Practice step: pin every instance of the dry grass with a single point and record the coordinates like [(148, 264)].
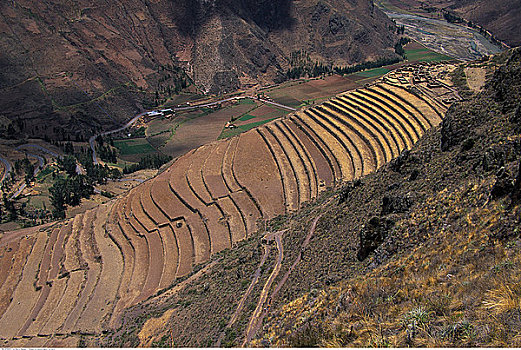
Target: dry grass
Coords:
[(459, 288), (506, 298)]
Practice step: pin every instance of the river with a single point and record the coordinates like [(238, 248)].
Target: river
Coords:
[(454, 40)]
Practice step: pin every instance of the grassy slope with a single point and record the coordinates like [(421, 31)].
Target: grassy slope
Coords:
[(447, 273)]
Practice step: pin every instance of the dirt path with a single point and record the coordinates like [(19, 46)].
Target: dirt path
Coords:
[(256, 318), (239, 308), (260, 312)]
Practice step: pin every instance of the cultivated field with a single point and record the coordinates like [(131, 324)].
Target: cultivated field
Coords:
[(77, 276)]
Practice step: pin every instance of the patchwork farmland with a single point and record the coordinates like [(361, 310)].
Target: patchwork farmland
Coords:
[(78, 276)]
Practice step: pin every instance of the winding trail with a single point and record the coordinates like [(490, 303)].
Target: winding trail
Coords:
[(240, 306), (41, 162), (256, 318), (8, 167), (260, 312)]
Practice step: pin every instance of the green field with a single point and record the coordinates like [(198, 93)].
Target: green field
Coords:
[(133, 147), (375, 72), (246, 117), (246, 101), (226, 133), (425, 55)]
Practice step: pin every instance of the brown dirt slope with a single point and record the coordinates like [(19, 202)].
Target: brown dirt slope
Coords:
[(83, 65)]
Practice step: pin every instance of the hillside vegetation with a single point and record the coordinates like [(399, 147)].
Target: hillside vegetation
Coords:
[(437, 231)]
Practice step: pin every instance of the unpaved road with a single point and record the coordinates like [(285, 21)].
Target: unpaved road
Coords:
[(8, 167), (256, 318)]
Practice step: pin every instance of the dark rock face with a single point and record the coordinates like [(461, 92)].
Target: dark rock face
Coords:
[(516, 192), (396, 204), (516, 119), (451, 133), (372, 235), (397, 163), (507, 83)]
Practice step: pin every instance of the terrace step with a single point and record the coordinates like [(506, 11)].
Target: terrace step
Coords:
[(305, 158), (171, 260), (324, 169), (296, 161), (285, 170), (175, 208), (262, 179), (56, 293), (73, 260), (412, 102), (194, 173), (404, 138), (156, 264), (74, 285), (367, 147), (212, 171), (41, 280), (7, 256), (403, 121), (384, 124), (348, 146), (210, 214), (389, 101), (138, 212), (128, 260), (248, 209), (103, 298), (332, 148), (412, 121), (370, 129), (234, 218), (136, 228), (186, 247), (58, 251), (25, 294), (150, 208), (227, 165), (140, 247), (89, 252)]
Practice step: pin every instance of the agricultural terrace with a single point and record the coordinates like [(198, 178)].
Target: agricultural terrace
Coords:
[(306, 92), (77, 276)]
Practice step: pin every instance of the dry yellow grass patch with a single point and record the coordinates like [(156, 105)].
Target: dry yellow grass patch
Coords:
[(148, 333)]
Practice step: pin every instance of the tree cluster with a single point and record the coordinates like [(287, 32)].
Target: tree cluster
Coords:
[(69, 191), (319, 69), (154, 161), (24, 165)]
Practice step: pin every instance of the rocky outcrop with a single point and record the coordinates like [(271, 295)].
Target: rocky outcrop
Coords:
[(372, 235)]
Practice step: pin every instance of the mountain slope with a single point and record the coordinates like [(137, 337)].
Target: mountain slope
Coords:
[(86, 64), (438, 232), (501, 18)]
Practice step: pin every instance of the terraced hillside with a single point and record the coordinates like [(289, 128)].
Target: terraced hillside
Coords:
[(78, 276)]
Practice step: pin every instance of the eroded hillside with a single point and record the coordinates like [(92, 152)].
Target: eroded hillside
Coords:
[(84, 65), (438, 232)]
